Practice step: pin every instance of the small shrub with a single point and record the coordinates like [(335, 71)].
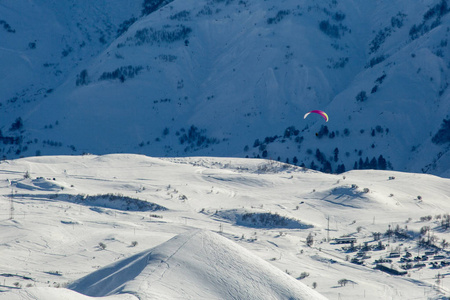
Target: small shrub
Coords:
[(303, 275), (17, 125), (82, 78), (361, 96), (165, 35), (329, 29), (443, 135), (280, 15), (379, 39), (380, 79), (183, 15), (149, 6), (7, 27), (376, 60), (125, 25), (343, 282), (121, 73), (309, 240)]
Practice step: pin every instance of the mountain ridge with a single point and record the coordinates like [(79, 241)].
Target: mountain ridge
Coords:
[(234, 78)]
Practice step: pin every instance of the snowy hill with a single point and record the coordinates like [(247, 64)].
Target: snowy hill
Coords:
[(217, 227), (229, 78), (195, 265)]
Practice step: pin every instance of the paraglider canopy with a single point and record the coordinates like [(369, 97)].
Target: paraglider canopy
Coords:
[(322, 113)]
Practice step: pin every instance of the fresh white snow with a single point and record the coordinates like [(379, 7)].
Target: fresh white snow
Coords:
[(56, 240)]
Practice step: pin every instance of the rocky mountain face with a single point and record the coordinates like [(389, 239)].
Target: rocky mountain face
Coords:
[(229, 78)]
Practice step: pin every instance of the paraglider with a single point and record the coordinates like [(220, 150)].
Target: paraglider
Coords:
[(322, 113)]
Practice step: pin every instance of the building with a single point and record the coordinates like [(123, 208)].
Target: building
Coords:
[(347, 240)]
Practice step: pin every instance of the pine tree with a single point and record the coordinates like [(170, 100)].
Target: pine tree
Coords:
[(366, 163), (360, 164), (336, 154), (373, 163), (340, 169), (382, 165), (327, 167), (320, 157)]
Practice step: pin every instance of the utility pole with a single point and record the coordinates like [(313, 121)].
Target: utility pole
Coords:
[(11, 211), (328, 229)]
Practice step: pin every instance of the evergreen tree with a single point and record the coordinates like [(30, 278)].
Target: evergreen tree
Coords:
[(361, 97), (327, 167), (373, 163), (336, 154), (323, 131), (340, 169), (382, 165), (366, 163), (320, 157), (17, 125), (360, 164)]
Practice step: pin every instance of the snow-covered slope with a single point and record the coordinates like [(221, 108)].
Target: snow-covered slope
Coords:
[(229, 78), (195, 265), (112, 217), (57, 294)]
